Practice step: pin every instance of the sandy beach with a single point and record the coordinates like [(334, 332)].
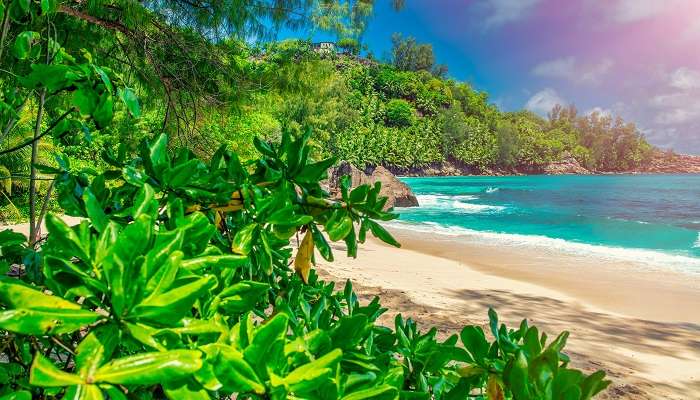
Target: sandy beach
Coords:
[(641, 326)]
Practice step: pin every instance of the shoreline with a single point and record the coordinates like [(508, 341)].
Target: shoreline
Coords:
[(603, 173), (642, 328), (616, 285)]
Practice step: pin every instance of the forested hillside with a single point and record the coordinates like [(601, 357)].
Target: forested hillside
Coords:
[(405, 114)]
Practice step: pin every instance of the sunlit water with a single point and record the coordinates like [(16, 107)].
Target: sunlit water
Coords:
[(652, 219)]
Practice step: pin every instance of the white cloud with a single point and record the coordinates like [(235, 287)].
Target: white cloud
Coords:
[(676, 116), (685, 78), (676, 108), (692, 32), (503, 11), (557, 68), (568, 68), (543, 101), (636, 10), (603, 112)]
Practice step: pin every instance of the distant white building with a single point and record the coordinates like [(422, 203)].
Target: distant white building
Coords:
[(325, 47)]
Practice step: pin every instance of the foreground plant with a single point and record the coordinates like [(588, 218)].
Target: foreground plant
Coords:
[(177, 284)]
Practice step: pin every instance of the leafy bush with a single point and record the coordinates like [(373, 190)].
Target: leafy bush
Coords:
[(479, 146), (400, 113), (176, 285)]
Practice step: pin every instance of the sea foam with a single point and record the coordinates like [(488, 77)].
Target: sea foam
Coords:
[(649, 259), (456, 203)]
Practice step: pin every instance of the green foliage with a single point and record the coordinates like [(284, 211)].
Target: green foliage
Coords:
[(407, 55), (349, 45), (478, 146), (399, 113), (176, 285)]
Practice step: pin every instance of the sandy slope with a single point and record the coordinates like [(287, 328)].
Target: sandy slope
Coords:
[(615, 314)]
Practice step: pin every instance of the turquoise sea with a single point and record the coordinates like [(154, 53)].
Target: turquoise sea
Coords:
[(650, 219)]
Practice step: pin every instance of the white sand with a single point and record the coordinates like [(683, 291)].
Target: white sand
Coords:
[(615, 315)]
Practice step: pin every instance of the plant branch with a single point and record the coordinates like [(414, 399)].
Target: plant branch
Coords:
[(44, 208), (35, 156), (37, 138)]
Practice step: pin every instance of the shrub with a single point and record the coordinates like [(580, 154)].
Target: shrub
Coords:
[(400, 113), (176, 285), (479, 147)]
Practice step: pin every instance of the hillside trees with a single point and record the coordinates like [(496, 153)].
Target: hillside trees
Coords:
[(400, 113), (409, 55)]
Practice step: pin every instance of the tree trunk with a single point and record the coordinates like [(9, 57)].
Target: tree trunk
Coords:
[(33, 226)]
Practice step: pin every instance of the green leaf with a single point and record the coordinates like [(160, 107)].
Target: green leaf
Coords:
[(145, 203), (20, 394), (129, 98), (44, 373), (359, 194), (232, 370), (186, 389), (18, 295), (493, 322), (150, 368), (52, 77), (94, 350), (594, 384), (23, 44), (243, 240), (349, 331), (382, 234), (169, 307), (383, 392), (518, 377), (262, 350), (475, 342), (165, 274), (315, 172), (223, 261), (94, 211), (144, 334), (242, 296), (65, 238), (119, 266), (83, 392), (339, 226), (322, 244), (181, 174), (156, 157), (48, 6), (46, 321), (309, 377), (263, 147), (24, 5), (85, 100), (104, 112)]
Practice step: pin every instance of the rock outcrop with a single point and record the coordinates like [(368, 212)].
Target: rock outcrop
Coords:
[(664, 163), (566, 165), (397, 192)]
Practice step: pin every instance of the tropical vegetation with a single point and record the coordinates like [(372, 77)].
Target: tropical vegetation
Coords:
[(191, 272)]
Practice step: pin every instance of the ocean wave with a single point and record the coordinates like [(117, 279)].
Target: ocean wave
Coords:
[(491, 189), (644, 257), (455, 203), (438, 198)]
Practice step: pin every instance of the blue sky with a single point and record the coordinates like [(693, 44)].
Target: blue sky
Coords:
[(635, 58)]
